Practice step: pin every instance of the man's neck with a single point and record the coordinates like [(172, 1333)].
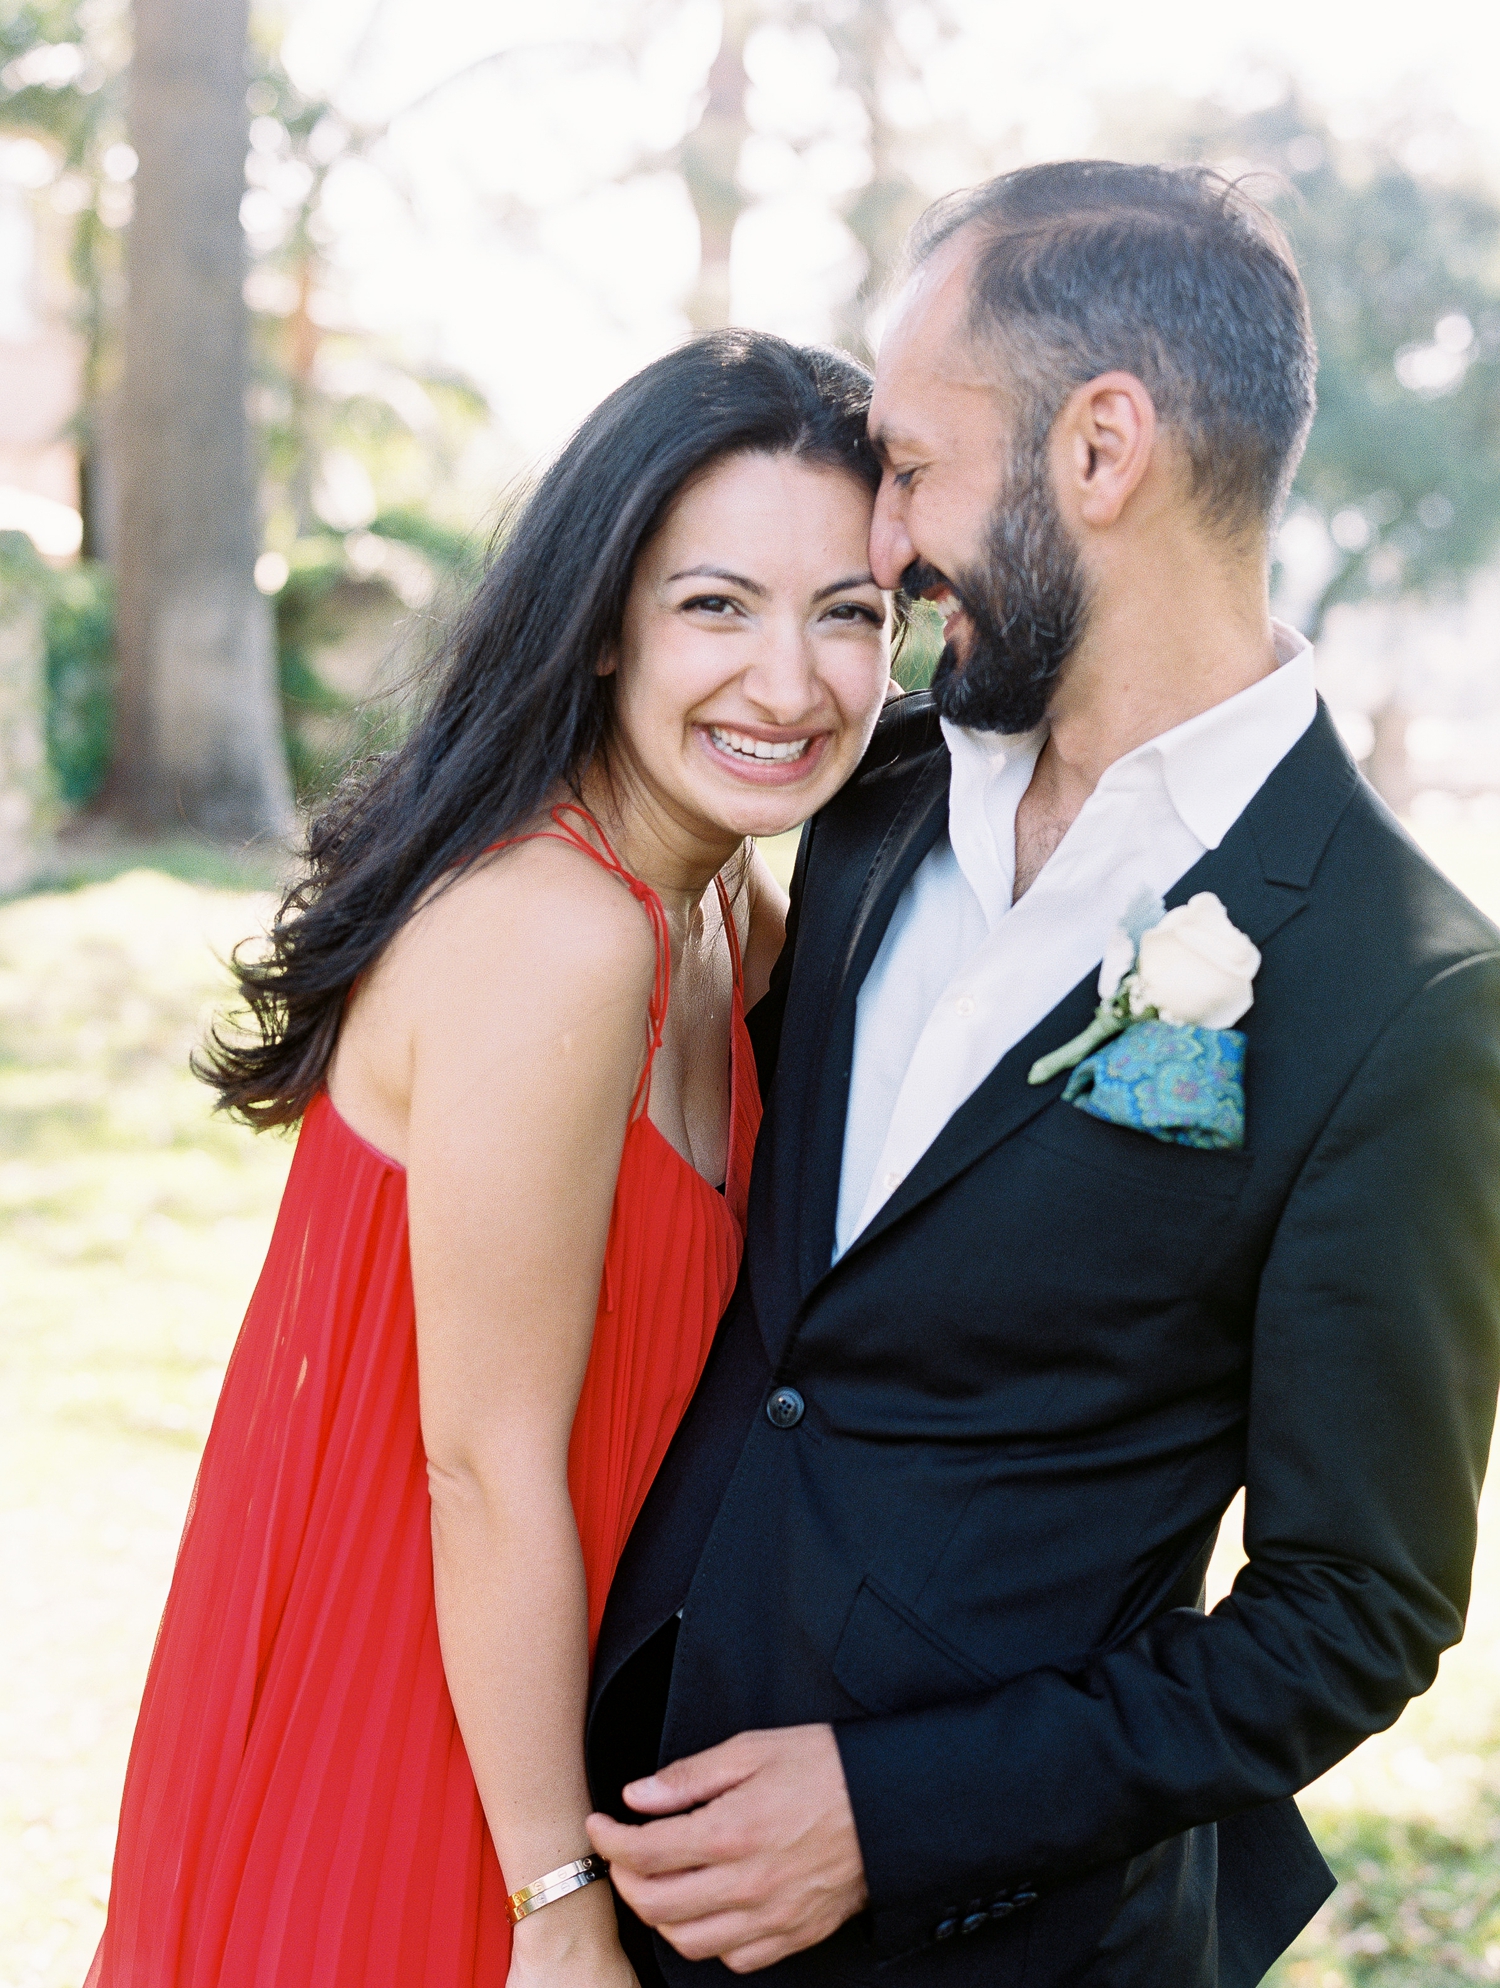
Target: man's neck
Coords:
[(1148, 662)]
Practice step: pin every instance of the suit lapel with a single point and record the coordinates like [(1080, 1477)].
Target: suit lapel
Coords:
[(913, 830), (1262, 871)]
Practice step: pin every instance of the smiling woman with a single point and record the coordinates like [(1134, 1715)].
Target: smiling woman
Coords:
[(508, 1002), (770, 660), (526, 693)]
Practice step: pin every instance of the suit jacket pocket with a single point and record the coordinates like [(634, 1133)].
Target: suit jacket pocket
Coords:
[(1135, 1160), (889, 1660)]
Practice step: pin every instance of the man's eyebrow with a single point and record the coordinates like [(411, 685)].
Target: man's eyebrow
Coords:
[(842, 586), (718, 573), (887, 442)]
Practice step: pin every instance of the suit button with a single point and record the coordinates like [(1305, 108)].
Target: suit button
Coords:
[(974, 1921), (1001, 1909), (786, 1408), (945, 1929)]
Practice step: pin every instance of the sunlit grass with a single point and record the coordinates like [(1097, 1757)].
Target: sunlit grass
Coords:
[(133, 1227)]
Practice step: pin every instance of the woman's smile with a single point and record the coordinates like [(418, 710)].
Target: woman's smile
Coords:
[(761, 755)]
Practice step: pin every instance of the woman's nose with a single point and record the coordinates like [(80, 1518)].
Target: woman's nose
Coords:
[(891, 549), (782, 680)]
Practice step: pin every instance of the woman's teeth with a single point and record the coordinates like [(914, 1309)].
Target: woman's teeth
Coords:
[(748, 748)]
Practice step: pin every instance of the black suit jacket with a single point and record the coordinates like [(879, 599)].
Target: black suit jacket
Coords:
[(1035, 1381)]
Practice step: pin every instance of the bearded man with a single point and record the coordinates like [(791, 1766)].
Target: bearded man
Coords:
[(1048, 1259)]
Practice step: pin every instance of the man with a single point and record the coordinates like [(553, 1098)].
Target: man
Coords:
[(942, 1706)]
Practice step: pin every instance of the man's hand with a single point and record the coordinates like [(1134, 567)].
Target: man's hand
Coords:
[(767, 1862)]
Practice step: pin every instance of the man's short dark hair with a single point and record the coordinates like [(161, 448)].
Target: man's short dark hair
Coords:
[(1172, 273)]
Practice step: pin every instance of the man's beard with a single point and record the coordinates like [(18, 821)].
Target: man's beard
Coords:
[(1027, 606)]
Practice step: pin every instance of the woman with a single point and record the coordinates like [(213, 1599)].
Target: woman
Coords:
[(506, 1003)]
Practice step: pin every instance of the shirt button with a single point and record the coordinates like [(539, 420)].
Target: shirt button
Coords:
[(892, 1181), (964, 1005), (785, 1409)]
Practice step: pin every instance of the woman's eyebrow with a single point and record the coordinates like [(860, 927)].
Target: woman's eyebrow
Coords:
[(841, 586), (718, 573)]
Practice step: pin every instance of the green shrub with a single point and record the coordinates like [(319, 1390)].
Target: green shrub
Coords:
[(79, 629)]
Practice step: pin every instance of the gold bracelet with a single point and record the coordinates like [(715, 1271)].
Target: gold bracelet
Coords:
[(555, 1885)]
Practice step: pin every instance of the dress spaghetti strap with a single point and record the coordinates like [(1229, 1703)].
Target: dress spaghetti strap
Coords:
[(564, 830), (661, 982), (731, 932)]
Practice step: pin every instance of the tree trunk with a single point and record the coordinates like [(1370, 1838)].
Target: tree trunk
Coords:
[(199, 729), (710, 165)]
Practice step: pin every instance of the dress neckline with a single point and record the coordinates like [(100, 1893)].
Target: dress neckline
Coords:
[(646, 896), (719, 1192)]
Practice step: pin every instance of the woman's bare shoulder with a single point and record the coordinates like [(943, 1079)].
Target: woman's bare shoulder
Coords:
[(539, 912)]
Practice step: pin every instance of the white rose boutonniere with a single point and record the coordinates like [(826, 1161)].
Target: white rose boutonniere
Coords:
[(1189, 968), (1194, 969)]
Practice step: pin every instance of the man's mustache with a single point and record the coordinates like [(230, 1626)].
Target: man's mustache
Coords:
[(920, 578)]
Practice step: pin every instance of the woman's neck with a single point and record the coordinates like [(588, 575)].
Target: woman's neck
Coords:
[(678, 859)]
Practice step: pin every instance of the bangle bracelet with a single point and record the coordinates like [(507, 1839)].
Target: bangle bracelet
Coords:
[(556, 1884)]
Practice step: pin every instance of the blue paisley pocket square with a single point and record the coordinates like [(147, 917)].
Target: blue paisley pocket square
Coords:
[(1185, 1086)]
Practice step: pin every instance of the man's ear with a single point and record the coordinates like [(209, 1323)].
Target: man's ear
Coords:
[(1103, 443)]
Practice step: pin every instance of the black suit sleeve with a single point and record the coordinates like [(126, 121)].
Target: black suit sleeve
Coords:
[(765, 1018), (1376, 1338)]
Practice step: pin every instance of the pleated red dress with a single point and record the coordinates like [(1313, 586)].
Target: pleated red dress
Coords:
[(299, 1810)]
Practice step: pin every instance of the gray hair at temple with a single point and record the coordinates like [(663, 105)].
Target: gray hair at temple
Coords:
[(1171, 273)]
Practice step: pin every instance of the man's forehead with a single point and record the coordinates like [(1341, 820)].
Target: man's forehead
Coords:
[(927, 350), (933, 301)]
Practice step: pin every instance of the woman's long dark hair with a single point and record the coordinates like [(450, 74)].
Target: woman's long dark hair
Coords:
[(518, 708)]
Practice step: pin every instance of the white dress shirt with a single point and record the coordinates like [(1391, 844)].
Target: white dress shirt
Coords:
[(962, 974)]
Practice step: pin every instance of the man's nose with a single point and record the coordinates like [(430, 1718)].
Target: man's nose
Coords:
[(891, 549)]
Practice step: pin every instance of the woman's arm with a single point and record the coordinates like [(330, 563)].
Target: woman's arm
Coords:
[(527, 986)]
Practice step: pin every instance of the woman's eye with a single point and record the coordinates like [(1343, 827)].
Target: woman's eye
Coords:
[(902, 478), (717, 604), (847, 611)]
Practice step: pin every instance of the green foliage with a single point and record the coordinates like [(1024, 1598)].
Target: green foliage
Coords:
[(62, 82), (1403, 275), (326, 728), (323, 392), (918, 645), (457, 556), (77, 608), (304, 622), (80, 634), (1416, 1907), (318, 395)]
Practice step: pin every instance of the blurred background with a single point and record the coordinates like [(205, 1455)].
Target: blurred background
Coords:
[(287, 302)]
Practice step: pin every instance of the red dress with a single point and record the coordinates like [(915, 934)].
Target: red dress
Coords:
[(299, 1811)]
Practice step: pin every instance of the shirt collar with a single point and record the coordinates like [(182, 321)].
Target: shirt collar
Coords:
[(1212, 766), (989, 772)]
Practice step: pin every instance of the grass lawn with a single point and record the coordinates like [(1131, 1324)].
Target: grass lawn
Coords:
[(133, 1227)]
